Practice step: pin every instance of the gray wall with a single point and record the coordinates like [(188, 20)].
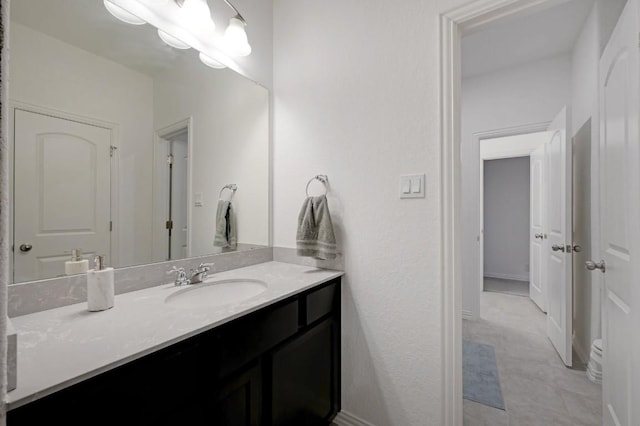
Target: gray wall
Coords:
[(506, 218)]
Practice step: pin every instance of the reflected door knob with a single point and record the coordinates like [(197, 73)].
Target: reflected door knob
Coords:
[(25, 247), (556, 247), (538, 236), (592, 266)]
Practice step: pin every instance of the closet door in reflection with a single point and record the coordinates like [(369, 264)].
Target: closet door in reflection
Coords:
[(62, 193)]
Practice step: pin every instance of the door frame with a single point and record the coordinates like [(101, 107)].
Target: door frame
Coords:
[(115, 132), (160, 208), (452, 24)]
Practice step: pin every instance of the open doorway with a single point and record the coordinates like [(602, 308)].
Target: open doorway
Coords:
[(523, 243), (604, 67), (171, 192), (177, 186), (506, 211), (510, 214)]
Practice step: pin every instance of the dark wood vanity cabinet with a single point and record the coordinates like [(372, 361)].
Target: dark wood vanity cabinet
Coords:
[(279, 366)]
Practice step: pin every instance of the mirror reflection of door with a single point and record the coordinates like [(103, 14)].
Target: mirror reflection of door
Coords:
[(178, 161), (62, 193)]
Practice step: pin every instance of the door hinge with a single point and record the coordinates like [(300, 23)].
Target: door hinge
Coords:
[(169, 224), (110, 226), (112, 149), (170, 159)]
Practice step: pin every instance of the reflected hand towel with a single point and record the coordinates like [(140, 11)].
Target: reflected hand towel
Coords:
[(226, 232), (315, 237)]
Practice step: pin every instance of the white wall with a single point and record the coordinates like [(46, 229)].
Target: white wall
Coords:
[(506, 218), (356, 90), (49, 73), (518, 96), (608, 13), (230, 145), (584, 79)]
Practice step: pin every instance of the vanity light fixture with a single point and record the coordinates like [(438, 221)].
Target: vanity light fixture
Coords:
[(193, 16), (122, 14), (172, 41), (235, 37), (196, 14), (210, 62)]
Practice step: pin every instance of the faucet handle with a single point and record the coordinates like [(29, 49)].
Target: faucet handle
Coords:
[(181, 275), (175, 270), (206, 265)]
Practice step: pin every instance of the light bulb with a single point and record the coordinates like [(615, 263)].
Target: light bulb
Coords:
[(235, 38), (196, 13), (172, 41), (122, 14), (210, 62)]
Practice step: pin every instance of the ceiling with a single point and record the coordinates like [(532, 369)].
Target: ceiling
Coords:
[(88, 25), (524, 38)]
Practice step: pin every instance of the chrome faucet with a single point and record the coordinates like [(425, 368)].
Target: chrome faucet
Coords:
[(200, 273), (181, 276)]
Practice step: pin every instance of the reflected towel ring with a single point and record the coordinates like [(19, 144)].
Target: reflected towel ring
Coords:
[(231, 187), (321, 178)]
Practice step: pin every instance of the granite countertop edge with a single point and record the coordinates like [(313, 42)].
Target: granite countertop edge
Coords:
[(74, 345)]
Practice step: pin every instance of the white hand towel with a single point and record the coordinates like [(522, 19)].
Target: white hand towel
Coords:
[(315, 236)]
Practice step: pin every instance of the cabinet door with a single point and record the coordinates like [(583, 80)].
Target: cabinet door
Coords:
[(305, 377), (237, 401)]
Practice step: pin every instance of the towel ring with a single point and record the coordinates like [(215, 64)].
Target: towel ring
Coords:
[(231, 187), (321, 178)]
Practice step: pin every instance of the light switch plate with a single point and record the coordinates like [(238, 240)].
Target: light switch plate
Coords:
[(414, 184)]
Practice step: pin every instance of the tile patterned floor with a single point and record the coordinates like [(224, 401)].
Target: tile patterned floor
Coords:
[(538, 389)]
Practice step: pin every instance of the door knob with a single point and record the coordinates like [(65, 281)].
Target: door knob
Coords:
[(539, 236), (25, 247), (591, 265), (556, 247), (577, 248)]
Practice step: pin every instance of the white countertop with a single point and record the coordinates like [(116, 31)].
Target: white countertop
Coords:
[(63, 346)]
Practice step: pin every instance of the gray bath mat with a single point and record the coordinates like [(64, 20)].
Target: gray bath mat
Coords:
[(480, 381)]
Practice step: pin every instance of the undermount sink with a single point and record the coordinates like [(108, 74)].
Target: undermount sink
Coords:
[(213, 293)]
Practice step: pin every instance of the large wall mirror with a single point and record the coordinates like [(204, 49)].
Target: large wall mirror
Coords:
[(124, 146)]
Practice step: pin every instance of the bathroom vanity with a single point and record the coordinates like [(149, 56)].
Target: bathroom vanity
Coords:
[(272, 359)]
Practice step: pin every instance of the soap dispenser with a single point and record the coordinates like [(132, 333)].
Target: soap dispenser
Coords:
[(77, 265), (100, 286)]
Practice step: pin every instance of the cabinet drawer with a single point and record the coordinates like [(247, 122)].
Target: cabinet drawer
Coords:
[(321, 302), (247, 338)]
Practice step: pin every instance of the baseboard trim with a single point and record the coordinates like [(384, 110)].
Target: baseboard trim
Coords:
[(468, 315), (506, 276), (344, 418)]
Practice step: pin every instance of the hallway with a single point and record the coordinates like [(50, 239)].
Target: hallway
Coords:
[(538, 389)]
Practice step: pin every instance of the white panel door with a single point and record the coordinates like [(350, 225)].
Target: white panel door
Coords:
[(559, 266), (538, 247), (62, 193), (620, 221)]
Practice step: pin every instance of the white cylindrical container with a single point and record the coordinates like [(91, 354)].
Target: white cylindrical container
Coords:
[(100, 286), (77, 265)]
